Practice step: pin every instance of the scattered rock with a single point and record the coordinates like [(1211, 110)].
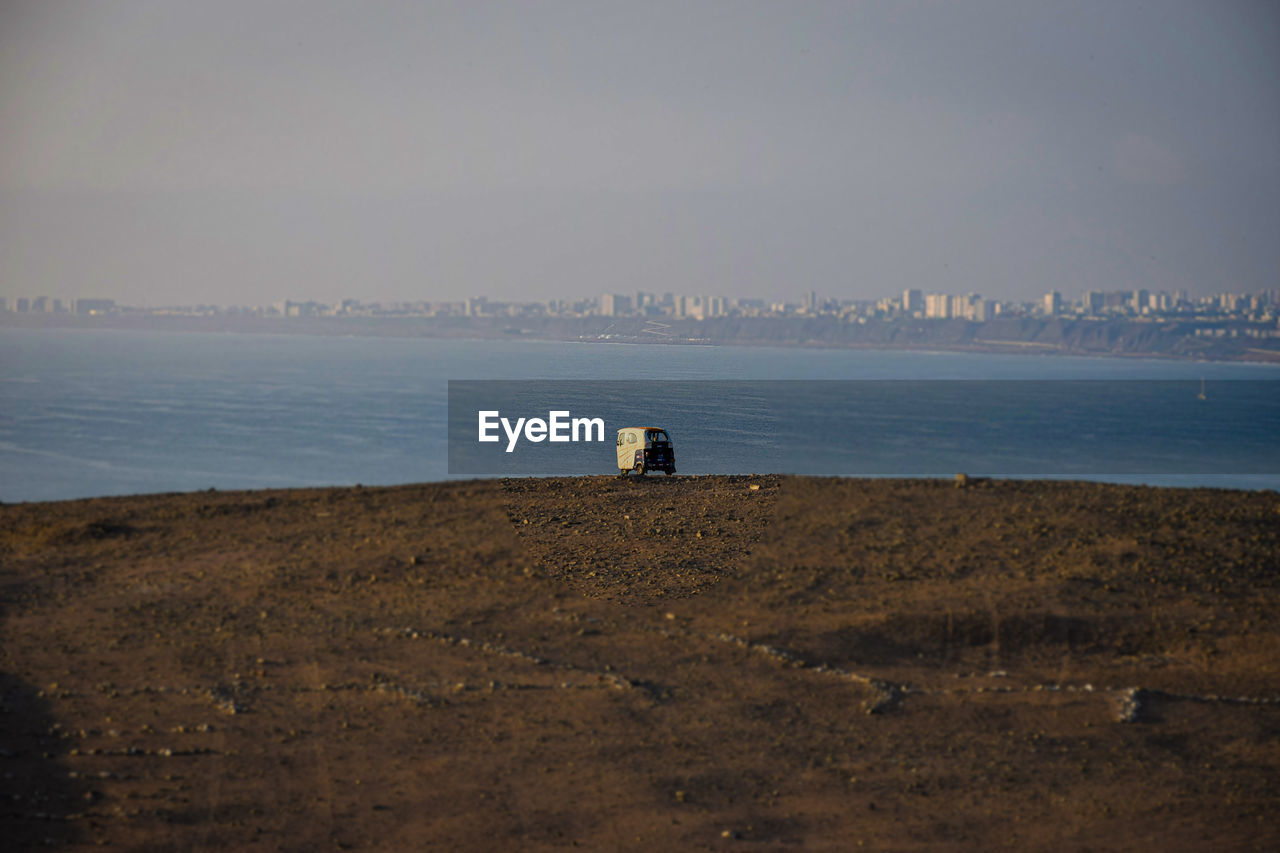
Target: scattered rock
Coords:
[(1130, 710)]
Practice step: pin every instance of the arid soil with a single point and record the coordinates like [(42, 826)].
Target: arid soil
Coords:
[(687, 663)]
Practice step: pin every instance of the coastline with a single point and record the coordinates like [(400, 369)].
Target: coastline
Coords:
[(1122, 340)]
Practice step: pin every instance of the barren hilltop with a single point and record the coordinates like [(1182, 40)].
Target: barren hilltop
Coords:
[(692, 663)]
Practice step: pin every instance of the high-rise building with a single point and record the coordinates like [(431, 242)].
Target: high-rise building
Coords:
[(912, 301), (937, 305), (614, 304), (693, 307), (1053, 303)]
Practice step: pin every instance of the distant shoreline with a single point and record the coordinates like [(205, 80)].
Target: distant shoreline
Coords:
[(1118, 338)]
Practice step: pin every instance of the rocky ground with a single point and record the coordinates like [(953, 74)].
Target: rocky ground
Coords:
[(689, 663)]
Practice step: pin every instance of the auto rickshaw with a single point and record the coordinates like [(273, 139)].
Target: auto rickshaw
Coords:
[(643, 449)]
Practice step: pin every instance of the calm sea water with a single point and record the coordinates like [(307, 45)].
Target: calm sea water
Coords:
[(86, 413)]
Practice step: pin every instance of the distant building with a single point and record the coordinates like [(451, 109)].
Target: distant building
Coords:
[(695, 307), (937, 306), (1117, 301), (94, 306), (971, 306), (614, 305), (982, 310), (1053, 303), (912, 301), (23, 305), (1094, 302)]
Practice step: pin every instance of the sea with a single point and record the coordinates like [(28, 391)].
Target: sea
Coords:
[(86, 413)]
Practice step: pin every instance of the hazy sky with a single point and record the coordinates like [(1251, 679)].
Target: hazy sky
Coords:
[(244, 152)]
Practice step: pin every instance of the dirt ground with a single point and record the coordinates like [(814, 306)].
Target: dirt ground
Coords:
[(688, 663)]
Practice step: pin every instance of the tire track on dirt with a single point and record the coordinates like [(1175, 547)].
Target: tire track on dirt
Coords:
[(324, 773)]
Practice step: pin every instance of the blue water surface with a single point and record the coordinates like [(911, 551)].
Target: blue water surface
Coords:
[(87, 413)]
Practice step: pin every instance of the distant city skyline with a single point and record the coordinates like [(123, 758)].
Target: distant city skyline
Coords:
[(242, 153), (1261, 307)]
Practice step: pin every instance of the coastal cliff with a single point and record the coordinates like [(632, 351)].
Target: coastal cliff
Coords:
[(1204, 340)]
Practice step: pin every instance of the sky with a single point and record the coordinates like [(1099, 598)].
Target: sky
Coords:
[(166, 152)]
